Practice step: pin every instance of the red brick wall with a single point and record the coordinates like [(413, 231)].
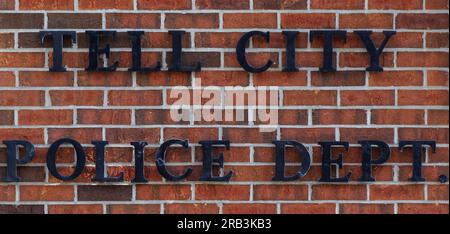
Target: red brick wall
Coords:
[(408, 101)]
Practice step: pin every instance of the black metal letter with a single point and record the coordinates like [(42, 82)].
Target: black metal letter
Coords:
[(100, 175), (161, 165), (372, 49), (51, 159), (208, 161), (280, 160), (136, 54), (139, 176), (327, 161), (177, 62), (58, 40), (367, 161), (417, 156), (328, 36), (291, 37), (13, 158), (241, 56), (94, 51)]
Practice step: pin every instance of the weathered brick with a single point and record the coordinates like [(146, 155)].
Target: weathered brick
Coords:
[(45, 5)]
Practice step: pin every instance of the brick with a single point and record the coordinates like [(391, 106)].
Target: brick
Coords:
[(157, 116), (439, 135), (21, 209), (363, 21), (367, 98), (34, 135), (22, 60), (422, 59), (163, 79), (6, 40), (430, 173), (396, 192), (217, 39), (280, 4), (191, 134), (396, 5), (131, 20), (164, 5), (6, 117), (77, 59), (76, 97), (293, 117), (400, 117), (135, 98), (421, 21), (103, 79), (223, 4), (46, 193), (330, 117), (308, 135), (249, 208), (248, 135), (366, 208), (409, 208), (75, 20), (106, 117), (338, 79), (280, 192), (440, 156), (438, 117), (7, 5), (45, 79), (104, 193), (108, 4), (283, 79), (7, 79), (310, 98), (437, 40), (45, 117), (163, 192), (133, 209), (7, 193), (223, 78), (179, 21), (396, 78), (195, 208), (222, 192), (246, 20), (423, 97), (436, 4), (337, 5), (307, 20), (339, 192), (46, 5), (438, 192), (354, 135), (127, 135), (437, 78), (76, 209), (309, 208), (82, 135), (22, 20), (351, 59), (22, 98)]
